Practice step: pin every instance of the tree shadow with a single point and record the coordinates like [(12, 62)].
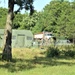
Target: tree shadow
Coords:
[(16, 64), (53, 61), (19, 64)]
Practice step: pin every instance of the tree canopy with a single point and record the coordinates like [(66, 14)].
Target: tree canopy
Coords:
[(57, 17)]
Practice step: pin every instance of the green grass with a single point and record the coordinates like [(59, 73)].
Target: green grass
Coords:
[(33, 62)]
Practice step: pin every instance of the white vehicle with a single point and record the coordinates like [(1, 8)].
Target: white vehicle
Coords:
[(48, 35), (43, 35)]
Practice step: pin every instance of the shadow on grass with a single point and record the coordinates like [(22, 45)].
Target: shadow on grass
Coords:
[(19, 64), (0, 56), (53, 61)]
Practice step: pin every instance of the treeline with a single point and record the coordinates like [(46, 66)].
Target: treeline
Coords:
[(57, 17), (3, 15)]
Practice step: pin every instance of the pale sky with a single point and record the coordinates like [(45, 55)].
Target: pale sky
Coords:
[(38, 4)]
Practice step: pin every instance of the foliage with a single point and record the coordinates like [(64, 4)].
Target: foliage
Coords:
[(3, 14), (24, 63), (16, 22), (57, 17), (24, 4), (28, 22), (52, 52), (69, 53)]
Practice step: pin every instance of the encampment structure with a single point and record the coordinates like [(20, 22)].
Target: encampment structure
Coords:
[(20, 38)]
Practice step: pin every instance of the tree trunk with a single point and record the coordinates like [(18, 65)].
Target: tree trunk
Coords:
[(7, 49)]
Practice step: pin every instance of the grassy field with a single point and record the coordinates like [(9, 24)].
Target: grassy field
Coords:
[(33, 62)]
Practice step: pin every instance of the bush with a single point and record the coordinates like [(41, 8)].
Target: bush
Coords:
[(52, 52), (69, 53)]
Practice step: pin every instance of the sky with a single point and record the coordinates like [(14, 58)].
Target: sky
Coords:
[(38, 4)]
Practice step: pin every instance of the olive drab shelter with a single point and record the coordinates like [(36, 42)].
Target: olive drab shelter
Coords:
[(20, 38), (1, 37)]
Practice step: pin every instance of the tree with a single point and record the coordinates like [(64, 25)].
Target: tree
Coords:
[(29, 22), (16, 22), (59, 18), (3, 13), (26, 4)]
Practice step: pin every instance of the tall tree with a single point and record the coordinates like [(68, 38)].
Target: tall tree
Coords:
[(59, 18), (26, 4)]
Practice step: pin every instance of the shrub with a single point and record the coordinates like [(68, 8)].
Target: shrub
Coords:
[(69, 53), (52, 52)]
